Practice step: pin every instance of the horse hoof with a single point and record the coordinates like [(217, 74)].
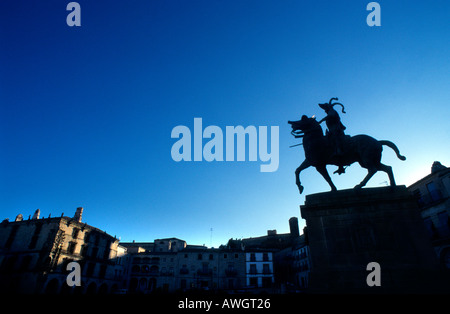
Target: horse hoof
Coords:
[(300, 189), (357, 187)]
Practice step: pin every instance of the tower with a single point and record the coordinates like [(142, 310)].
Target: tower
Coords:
[(293, 227), (78, 214)]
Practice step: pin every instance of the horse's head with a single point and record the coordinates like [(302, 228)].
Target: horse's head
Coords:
[(304, 125)]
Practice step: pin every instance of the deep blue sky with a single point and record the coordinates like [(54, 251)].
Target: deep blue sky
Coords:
[(86, 112)]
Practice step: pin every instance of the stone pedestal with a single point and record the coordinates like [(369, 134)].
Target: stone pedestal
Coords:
[(348, 229)]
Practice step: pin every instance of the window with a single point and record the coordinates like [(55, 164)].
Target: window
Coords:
[(435, 194), (71, 247), (225, 255), (25, 263), (199, 257), (97, 239), (75, 233), (205, 268), (9, 263), (155, 260), (135, 269), (252, 257), (137, 260), (211, 257), (443, 218), (35, 236), (443, 224), (90, 269), (94, 252), (83, 250), (102, 271), (154, 270), (266, 269), (253, 269), (33, 242), (146, 260), (430, 227), (418, 195), (106, 252), (265, 257), (11, 237)]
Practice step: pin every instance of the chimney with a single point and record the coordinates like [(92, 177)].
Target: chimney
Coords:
[(272, 232), (36, 214), (78, 214), (293, 226)]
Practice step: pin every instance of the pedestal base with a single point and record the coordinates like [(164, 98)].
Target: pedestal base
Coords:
[(348, 229)]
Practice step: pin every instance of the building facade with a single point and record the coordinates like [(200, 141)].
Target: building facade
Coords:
[(301, 265), (35, 253), (259, 269), (169, 265), (433, 196), (36, 256)]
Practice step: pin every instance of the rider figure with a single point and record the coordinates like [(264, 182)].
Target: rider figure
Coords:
[(335, 130)]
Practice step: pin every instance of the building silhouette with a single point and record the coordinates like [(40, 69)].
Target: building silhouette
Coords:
[(34, 255), (170, 265), (433, 196)]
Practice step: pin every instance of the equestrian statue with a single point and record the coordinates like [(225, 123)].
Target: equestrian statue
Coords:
[(337, 148)]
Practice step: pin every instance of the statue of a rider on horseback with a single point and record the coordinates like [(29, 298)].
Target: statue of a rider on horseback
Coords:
[(336, 148)]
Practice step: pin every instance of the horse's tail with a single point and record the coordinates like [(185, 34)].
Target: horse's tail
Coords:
[(394, 148)]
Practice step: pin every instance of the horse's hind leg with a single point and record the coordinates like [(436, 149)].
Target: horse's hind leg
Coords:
[(388, 170), (371, 172), (323, 171)]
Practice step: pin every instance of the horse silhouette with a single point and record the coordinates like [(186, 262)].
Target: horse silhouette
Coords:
[(319, 152)]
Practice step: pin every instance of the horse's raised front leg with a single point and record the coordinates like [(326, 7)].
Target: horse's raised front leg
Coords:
[(323, 171), (305, 164)]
